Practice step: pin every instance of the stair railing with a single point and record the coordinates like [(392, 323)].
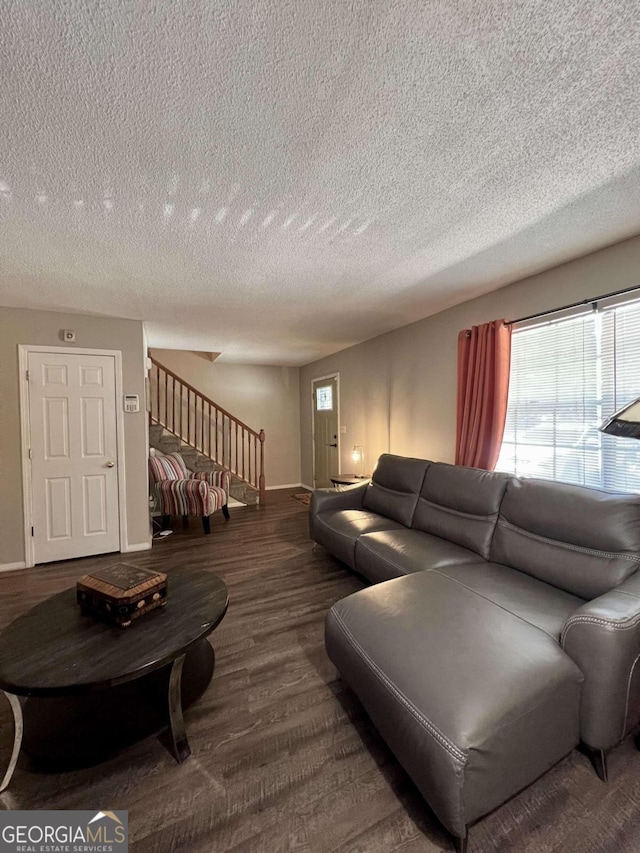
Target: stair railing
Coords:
[(204, 425)]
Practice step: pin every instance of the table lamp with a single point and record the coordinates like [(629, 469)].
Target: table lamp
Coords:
[(357, 457), (625, 422)]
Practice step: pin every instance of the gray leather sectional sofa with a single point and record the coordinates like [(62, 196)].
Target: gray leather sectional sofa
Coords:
[(502, 629)]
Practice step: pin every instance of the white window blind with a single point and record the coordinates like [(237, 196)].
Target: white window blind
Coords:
[(620, 336), (566, 377)]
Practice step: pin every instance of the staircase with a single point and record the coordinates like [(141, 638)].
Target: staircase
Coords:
[(183, 420)]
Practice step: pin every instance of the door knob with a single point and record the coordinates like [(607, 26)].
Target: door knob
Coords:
[(332, 445), (110, 464)]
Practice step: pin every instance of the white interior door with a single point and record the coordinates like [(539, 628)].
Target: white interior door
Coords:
[(74, 463), (325, 430)]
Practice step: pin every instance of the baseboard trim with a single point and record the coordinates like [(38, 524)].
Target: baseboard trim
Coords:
[(284, 486), (12, 567), (138, 546), (304, 486)]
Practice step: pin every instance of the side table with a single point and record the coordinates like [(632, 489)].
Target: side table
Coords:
[(339, 481)]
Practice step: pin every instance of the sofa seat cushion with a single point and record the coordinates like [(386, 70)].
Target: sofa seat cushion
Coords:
[(474, 701), (538, 603), (389, 554), (338, 530)]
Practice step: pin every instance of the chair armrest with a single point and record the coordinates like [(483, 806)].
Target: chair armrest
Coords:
[(220, 478), (603, 638), (329, 499), (184, 497)]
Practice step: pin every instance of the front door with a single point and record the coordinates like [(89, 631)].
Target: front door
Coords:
[(325, 430), (74, 463)]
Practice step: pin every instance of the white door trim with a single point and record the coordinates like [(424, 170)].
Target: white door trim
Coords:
[(335, 376), (25, 433)]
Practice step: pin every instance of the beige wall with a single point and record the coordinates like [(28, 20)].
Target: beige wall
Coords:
[(398, 391), (262, 397), (19, 326)]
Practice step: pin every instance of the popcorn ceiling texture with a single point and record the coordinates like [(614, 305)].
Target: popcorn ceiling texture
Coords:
[(276, 180)]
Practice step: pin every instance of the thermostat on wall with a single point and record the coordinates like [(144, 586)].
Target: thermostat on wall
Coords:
[(131, 403)]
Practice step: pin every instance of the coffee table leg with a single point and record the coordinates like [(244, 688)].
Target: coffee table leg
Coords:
[(17, 738), (179, 743)]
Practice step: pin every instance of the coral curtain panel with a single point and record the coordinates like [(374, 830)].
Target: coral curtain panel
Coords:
[(484, 358)]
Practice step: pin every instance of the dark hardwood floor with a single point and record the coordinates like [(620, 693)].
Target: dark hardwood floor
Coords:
[(283, 757)]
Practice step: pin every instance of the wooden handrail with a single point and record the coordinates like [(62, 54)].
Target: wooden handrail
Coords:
[(204, 396), (233, 442)]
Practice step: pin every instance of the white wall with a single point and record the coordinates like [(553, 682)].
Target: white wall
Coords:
[(398, 391), (261, 396), (22, 326)]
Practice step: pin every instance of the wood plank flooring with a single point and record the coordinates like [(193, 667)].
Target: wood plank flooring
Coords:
[(283, 756)]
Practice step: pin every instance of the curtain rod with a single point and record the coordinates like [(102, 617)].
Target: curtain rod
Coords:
[(592, 301)]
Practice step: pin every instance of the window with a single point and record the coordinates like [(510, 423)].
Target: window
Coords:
[(566, 377), (324, 398)]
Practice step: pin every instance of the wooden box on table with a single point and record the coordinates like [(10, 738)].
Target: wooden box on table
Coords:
[(121, 593)]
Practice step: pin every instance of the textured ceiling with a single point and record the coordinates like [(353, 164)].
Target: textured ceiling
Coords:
[(276, 180)]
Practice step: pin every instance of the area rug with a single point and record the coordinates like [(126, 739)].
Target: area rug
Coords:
[(303, 497)]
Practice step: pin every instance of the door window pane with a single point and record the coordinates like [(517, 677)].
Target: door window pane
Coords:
[(324, 398)]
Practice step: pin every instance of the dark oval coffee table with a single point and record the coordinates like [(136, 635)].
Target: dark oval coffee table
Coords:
[(94, 689)]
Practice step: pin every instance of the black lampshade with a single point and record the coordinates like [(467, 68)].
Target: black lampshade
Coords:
[(625, 422)]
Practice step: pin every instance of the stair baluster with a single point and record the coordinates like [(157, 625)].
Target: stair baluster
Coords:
[(232, 441)]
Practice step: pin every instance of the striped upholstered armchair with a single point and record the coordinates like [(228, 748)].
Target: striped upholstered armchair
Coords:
[(183, 492)]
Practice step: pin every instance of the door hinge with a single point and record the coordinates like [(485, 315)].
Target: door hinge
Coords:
[(30, 456), (32, 531), (26, 373)]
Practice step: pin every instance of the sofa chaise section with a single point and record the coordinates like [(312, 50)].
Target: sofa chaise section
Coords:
[(474, 701), (509, 631), (536, 602), (585, 542)]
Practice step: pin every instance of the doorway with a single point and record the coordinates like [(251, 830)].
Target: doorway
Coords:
[(326, 430), (72, 453)]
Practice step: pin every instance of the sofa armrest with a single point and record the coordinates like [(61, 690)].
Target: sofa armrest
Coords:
[(330, 499), (603, 638)]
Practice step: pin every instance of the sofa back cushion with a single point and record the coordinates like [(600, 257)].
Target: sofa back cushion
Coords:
[(395, 486), (585, 541), (461, 505)]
